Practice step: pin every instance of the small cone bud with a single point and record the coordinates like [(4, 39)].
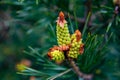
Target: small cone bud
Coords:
[(20, 67), (76, 48), (56, 55)]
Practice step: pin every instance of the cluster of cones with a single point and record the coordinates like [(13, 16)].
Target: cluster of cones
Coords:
[(69, 46)]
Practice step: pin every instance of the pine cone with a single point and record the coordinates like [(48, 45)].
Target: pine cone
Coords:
[(63, 36), (76, 47), (56, 55)]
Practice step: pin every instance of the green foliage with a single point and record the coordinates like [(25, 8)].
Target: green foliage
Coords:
[(94, 58), (26, 23), (46, 68)]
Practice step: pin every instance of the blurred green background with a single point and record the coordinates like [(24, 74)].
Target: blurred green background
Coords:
[(26, 23)]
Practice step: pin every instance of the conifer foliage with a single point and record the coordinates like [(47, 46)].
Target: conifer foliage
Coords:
[(72, 58)]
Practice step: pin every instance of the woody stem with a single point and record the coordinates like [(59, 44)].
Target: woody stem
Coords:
[(78, 72)]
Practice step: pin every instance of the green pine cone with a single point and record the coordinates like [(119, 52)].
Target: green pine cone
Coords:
[(63, 36), (57, 55), (75, 47)]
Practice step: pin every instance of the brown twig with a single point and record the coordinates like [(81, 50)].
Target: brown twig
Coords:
[(78, 72)]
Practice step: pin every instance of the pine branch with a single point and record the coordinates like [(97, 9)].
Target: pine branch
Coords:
[(78, 72)]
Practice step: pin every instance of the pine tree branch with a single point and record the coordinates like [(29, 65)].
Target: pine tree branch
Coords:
[(78, 72)]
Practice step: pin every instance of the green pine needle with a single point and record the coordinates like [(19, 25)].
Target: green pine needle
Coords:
[(58, 75), (86, 23)]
